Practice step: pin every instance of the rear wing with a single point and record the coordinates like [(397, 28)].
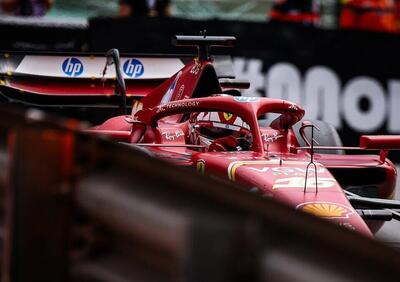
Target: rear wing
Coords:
[(77, 79), (71, 80), (80, 79), (89, 66), (380, 142)]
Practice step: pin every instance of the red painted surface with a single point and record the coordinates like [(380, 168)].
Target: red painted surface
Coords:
[(79, 87), (380, 142)]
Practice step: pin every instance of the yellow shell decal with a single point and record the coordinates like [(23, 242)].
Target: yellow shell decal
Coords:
[(228, 116), (325, 209), (201, 166)]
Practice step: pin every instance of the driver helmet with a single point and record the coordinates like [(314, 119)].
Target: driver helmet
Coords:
[(206, 127)]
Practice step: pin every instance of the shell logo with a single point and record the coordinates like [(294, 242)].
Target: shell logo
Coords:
[(325, 209)]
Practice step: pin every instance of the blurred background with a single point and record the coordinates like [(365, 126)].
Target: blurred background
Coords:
[(380, 14), (338, 58), (329, 12)]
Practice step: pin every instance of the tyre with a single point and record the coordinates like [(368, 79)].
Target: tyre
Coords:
[(325, 136)]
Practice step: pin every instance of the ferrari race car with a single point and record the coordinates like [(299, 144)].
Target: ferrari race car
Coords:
[(198, 120), (189, 120)]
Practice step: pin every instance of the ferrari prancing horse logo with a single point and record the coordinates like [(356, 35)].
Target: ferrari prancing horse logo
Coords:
[(200, 166), (228, 116)]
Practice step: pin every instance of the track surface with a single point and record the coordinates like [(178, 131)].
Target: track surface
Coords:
[(390, 232)]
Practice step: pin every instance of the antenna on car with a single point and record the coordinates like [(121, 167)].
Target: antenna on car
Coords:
[(112, 57), (203, 42), (311, 163)]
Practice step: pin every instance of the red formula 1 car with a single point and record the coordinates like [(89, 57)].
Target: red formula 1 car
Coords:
[(196, 120), (189, 120)]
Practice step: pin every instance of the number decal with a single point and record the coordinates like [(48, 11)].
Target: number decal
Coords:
[(298, 182)]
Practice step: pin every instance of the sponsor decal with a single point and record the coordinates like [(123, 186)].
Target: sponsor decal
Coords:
[(72, 67), (168, 95), (326, 209), (133, 68), (235, 165), (271, 138), (176, 105), (180, 92), (172, 136), (52, 66), (195, 69), (246, 99), (299, 182), (201, 166), (228, 116), (293, 107), (289, 171)]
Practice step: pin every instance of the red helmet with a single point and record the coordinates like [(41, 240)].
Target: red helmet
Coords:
[(209, 127)]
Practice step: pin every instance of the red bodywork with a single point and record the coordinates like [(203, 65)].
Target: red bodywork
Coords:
[(82, 87), (274, 167)]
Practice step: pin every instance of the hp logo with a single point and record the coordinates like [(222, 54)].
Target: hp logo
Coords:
[(72, 67), (133, 68)]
